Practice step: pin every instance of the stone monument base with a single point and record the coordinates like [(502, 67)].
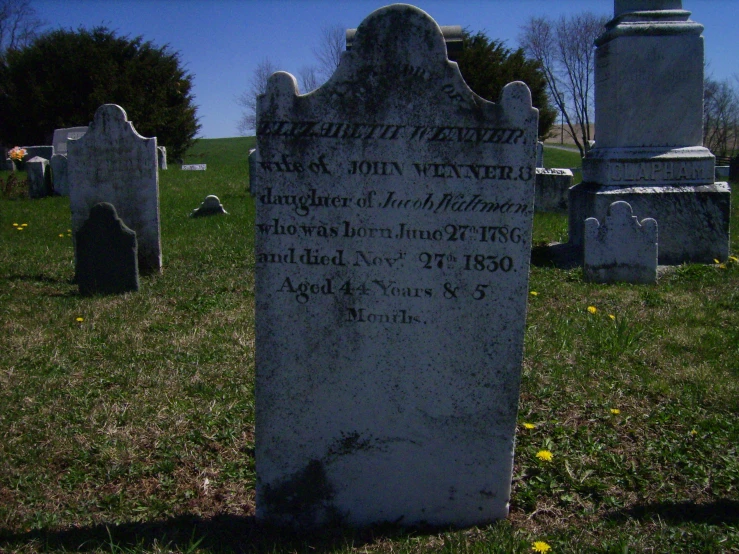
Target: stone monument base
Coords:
[(693, 220)]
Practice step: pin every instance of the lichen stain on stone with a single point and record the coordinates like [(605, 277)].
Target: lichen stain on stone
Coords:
[(305, 499)]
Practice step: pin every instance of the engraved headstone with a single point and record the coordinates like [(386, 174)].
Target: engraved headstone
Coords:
[(106, 253), (394, 211), (210, 206), (552, 189), (39, 178), (162, 157), (649, 134), (59, 176), (621, 249), (61, 136), (113, 163)]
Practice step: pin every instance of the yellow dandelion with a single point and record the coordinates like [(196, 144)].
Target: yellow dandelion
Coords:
[(19, 228), (540, 546), (694, 432), (529, 426), (545, 455), (734, 258), (24, 225), (722, 266), (592, 309), (615, 411), (69, 230), (716, 261), (613, 317), (61, 235), (534, 293), (80, 319), (15, 225)]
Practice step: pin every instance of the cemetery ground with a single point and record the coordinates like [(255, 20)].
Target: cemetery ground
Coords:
[(126, 422)]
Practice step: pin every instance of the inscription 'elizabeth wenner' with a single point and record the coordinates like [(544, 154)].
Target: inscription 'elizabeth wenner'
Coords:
[(393, 236)]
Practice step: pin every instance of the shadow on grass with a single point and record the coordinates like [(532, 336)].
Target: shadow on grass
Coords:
[(224, 533), (712, 513)]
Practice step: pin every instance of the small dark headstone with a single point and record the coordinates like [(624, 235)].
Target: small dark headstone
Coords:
[(106, 253)]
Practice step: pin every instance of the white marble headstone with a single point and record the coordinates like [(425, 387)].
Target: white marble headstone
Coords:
[(621, 248), (113, 163), (61, 136), (394, 214)]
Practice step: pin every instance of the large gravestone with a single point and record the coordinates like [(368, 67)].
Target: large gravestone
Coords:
[(61, 136), (649, 134), (394, 214), (106, 260), (113, 163)]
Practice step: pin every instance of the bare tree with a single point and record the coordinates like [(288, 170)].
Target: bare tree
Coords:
[(721, 116), (330, 47), (565, 49), (19, 24), (248, 98), (309, 79)]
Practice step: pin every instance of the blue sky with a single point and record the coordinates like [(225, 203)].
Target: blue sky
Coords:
[(221, 41)]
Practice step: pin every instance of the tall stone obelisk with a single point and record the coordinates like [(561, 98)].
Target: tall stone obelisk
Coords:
[(649, 134)]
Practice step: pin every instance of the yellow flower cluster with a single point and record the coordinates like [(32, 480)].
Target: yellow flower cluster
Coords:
[(17, 154), (20, 227), (545, 455)]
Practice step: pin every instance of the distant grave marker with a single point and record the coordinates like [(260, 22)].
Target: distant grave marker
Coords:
[(61, 136), (394, 214), (194, 167)]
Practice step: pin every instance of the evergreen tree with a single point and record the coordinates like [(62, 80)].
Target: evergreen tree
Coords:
[(487, 66), (62, 77)]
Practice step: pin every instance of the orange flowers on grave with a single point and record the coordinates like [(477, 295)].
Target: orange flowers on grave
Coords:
[(17, 154)]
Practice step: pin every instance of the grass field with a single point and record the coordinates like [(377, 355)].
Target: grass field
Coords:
[(126, 422)]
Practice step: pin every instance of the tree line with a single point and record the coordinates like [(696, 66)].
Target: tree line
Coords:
[(56, 79)]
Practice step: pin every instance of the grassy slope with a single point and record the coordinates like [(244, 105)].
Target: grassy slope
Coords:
[(132, 429)]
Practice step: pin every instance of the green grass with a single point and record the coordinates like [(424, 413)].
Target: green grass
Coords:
[(132, 430)]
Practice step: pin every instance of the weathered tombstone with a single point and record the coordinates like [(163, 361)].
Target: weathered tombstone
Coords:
[(621, 249), (59, 176), (162, 157), (106, 259), (552, 189), (734, 169), (722, 171), (394, 210), (39, 177), (113, 163), (61, 136), (45, 152), (539, 154), (210, 206), (194, 167), (649, 134)]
